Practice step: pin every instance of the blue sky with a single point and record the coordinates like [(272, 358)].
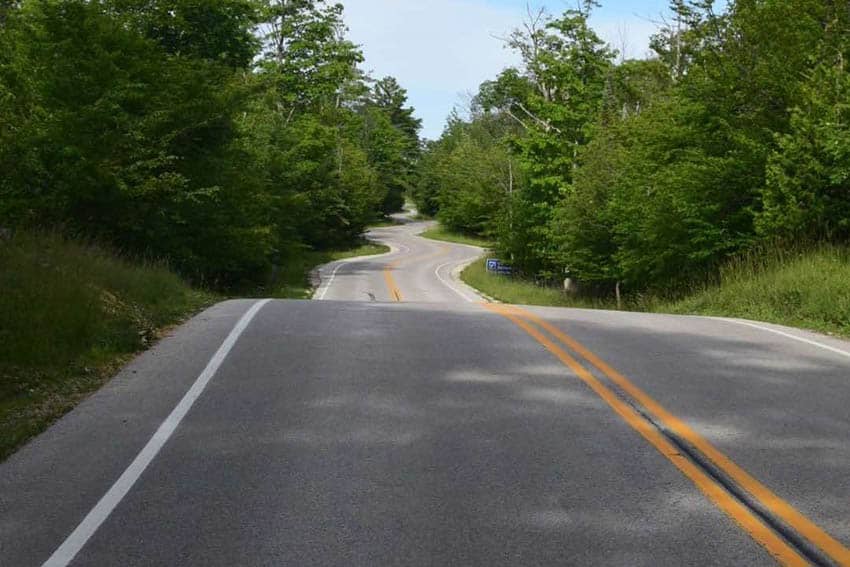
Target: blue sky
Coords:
[(441, 50)]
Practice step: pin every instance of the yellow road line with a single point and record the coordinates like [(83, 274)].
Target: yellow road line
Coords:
[(395, 293), (390, 280), (753, 525), (782, 509)]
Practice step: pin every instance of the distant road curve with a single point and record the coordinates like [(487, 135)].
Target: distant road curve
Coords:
[(416, 270)]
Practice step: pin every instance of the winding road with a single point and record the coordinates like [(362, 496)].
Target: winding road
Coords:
[(400, 419), (415, 270)]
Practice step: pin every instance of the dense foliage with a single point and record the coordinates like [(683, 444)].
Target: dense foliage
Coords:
[(652, 173), (224, 136)]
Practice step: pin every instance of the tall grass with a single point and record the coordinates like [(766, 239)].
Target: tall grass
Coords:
[(522, 292), (69, 314), (807, 287), (804, 288)]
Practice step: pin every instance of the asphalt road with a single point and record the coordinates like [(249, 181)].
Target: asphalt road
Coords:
[(402, 421), (416, 270)]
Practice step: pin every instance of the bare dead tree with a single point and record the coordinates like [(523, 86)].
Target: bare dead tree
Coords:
[(527, 41)]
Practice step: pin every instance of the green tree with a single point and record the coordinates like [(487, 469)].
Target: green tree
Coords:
[(212, 30), (133, 145), (555, 100), (312, 91), (224, 136), (391, 136), (808, 176)]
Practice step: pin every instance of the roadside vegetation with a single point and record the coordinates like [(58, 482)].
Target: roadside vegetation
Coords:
[(229, 138), (698, 173), (808, 290), (439, 232), (383, 223), (70, 315), (293, 280), (520, 291), (802, 289), (237, 142)]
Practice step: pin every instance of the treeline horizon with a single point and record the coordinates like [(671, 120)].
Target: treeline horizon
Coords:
[(224, 137), (651, 174)]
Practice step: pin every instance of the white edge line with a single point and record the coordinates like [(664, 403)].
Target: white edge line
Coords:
[(323, 288), (462, 264), (326, 286), (101, 511), (783, 334)]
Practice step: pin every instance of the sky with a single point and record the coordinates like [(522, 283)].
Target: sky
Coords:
[(441, 50)]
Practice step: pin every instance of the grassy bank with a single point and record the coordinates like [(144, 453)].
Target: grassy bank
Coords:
[(70, 316), (441, 233), (519, 291), (804, 289), (383, 223), (293, 280)]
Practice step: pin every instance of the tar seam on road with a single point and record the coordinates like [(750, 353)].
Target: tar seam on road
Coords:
[(826, 548), (93, 520), (322, 290)]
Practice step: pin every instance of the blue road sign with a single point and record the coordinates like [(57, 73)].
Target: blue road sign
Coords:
[(496, 266)]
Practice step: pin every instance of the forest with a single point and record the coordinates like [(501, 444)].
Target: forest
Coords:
[(732, 139), (227, 138), (222, 137)]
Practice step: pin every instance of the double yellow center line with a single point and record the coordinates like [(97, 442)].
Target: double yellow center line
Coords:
[(754, 525), (395, 292)]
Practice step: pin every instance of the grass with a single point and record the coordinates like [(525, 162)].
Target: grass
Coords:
[(518, 291), (293, 280), (441, 233), (421, 217), (808, 289), (383, 222), (70, 316), (805, 289)]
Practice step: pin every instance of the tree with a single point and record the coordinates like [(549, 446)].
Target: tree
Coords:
[(808, 177), (555, 100), (391, 136), (212, 30), (306, 54), (168, 129)]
